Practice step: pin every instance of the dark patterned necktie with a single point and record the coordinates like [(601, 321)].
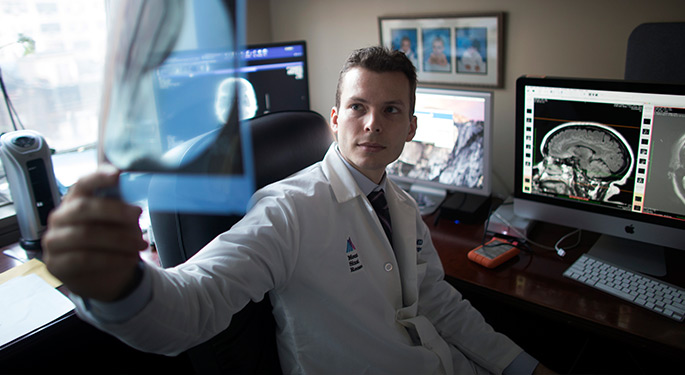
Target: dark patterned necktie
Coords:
[(380, 205)]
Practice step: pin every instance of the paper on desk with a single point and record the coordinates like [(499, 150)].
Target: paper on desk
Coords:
[(32, 266), (28, 303)]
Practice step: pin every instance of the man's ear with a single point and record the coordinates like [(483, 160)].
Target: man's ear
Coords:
[(334, 120), (412, 129)]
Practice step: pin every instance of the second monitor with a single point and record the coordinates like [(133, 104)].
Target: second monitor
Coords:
[(450, 156)]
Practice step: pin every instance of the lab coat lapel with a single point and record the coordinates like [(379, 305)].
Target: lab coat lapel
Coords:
[(343, 184), (345, 188), (403, 216)]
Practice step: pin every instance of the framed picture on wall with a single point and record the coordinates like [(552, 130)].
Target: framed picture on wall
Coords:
[(452, 50)]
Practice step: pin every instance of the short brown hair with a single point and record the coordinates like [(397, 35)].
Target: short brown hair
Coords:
[(380, 60)]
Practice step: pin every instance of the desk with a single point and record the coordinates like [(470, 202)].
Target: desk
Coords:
[(533, 287), (527, 298), (70, 345)]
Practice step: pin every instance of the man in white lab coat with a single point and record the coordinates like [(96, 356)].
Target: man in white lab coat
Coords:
[(347, 297)]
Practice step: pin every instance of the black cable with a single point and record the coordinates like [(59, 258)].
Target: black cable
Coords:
[(439, 210), (580, 354), (487, 222), (8, 103), (16, 116)]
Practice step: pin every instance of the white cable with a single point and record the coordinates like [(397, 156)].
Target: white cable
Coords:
[(561, 252)]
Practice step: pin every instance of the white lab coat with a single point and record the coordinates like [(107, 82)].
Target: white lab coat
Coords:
[(344, 302)]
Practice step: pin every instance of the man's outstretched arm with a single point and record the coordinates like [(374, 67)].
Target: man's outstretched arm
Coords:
[(92, 243)]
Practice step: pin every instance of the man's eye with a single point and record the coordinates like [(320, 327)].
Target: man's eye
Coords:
[(392, 110), (355, 107)]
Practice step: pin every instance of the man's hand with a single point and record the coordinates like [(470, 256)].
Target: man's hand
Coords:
[(92, 243), (542, 370)]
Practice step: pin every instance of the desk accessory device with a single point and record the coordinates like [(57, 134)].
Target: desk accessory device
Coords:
[(28, 165), (505, 222), (466, 208), (493, 253)]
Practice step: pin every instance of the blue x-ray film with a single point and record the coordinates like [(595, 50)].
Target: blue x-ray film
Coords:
[(168, 119)]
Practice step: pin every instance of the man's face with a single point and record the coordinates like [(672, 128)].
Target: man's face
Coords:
[(374, 119), (438, 46), (406, 46)]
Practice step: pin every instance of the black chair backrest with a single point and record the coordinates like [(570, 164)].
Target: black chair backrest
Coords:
[(283, 143), (656, 53)]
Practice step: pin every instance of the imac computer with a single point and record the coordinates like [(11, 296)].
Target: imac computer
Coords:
[(449, 158), (604, 156)]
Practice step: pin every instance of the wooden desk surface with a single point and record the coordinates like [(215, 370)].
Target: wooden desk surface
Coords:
[(71, 345), (535, 282)]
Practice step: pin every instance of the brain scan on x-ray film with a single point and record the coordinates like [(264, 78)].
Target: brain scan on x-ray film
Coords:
[(583, 159), (144, 38), (247, 98)]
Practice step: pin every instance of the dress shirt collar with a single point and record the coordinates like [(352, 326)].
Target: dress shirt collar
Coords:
[(364, 183)]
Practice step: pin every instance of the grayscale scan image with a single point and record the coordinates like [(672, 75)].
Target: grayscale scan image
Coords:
[(584, 160)]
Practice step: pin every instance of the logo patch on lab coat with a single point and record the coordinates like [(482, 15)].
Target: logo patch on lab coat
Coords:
[(352, 257)]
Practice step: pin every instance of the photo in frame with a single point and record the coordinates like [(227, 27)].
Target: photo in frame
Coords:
[(454, 50)]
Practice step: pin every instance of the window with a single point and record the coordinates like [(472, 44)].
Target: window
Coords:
[(55, 88)]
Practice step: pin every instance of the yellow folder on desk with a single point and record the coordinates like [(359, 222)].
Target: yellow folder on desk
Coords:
[(30, 267)]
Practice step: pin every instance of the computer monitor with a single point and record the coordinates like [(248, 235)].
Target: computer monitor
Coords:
[(451, 151), (605, 156), (278, 75), (195, 90), (272, 77)]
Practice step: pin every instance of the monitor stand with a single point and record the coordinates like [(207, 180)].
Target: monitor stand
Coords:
[(428, 198), (637, 256)]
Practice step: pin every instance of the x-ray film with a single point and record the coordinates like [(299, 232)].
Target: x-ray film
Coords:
[(188, 152)]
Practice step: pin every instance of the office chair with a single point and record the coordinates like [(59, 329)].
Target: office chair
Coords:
[(656, 53), (283, 143)]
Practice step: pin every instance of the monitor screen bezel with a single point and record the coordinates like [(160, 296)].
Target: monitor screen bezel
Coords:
[(576, 214), (245, 66), (486, 190)]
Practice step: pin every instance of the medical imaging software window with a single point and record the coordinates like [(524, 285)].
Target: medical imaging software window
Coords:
[(604, 148)]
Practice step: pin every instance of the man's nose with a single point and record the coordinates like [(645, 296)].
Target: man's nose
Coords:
[(373, 122)]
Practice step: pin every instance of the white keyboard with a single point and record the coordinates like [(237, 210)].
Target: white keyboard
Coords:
[(650, 293)]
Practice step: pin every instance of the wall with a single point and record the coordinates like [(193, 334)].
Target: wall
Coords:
[(258, 27), (580, 38)]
